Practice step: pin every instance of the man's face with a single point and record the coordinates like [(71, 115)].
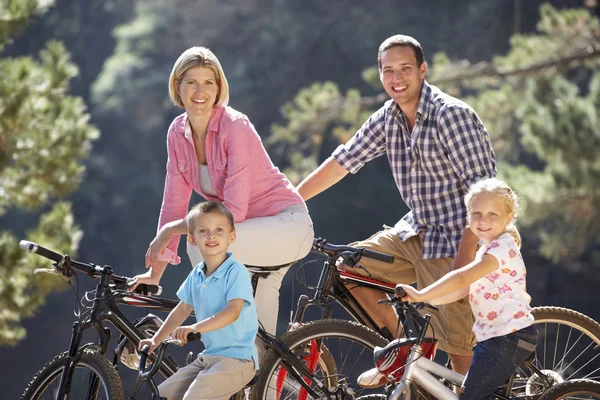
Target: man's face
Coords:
[(402, 79)]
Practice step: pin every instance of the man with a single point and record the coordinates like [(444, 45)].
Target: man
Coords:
[(437, 147)]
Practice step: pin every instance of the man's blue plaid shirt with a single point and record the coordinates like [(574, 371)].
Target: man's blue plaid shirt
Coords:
[(434, 165)]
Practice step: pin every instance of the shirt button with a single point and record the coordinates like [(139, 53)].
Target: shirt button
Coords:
[(203, 286), (414, 191)]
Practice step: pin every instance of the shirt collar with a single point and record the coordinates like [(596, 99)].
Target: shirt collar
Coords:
[(423, 107), (213, 123), (220, 272)]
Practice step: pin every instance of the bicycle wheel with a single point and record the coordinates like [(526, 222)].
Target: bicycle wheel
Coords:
[(567, 349), (92, 366), (346, 350), (575, 389)]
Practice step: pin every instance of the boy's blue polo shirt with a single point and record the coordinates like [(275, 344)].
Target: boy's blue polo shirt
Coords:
[(210, 295)]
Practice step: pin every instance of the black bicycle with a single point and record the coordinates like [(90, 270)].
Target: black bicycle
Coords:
[(85, 372)]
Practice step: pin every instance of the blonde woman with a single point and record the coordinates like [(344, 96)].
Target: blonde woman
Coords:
[(215, 151)]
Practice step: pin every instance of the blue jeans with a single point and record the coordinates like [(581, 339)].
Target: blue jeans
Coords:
[(495, 360)]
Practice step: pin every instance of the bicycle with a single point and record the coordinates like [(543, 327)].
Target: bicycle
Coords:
[(84, 371), (567, 346), (421, 377)]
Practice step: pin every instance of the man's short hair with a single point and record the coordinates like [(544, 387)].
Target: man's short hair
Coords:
[(401, 40)]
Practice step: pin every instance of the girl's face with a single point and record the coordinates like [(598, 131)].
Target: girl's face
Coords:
[(198, 90), (488, 216)]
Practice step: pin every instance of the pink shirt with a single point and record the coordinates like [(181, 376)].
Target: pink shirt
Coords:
[(499, 300), (242, 173)]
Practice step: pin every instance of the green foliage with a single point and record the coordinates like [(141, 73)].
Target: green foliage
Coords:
[(317, 111), (15, 13), (544, 132), (22, 292), (44, 132), (44, 137)]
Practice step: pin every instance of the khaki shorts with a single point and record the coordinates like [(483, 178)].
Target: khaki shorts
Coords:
[(452, 323), (208, 378)]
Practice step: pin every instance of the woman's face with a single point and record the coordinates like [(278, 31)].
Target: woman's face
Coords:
[(198, 91)]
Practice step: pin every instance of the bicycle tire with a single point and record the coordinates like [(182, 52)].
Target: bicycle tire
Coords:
[(568, 348), (331, 333), (49, 377), (581, 388)]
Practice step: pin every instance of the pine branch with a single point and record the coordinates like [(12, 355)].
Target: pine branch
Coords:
[(485, 69)]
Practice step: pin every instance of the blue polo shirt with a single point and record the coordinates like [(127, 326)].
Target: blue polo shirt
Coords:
[(209, 295)]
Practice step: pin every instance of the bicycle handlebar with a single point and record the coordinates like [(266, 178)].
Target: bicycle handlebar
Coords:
[(144, 375), (88, 269), (320, 245)]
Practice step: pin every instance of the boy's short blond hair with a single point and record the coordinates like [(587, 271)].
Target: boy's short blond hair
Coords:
[(208, 207), (198, 57)]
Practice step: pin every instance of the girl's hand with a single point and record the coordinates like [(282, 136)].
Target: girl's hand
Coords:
[(182, 332), (157, 247), (412, 294), (149, 342)]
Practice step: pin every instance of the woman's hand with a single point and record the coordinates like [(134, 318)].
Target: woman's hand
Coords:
[(150, 343), (182, 332), (412, 294), (157, 247), (150, 277)]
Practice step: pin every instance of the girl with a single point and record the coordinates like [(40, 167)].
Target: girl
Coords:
[(495, 283)]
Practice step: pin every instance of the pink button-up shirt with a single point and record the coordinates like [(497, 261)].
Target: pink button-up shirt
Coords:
[(242, 174)]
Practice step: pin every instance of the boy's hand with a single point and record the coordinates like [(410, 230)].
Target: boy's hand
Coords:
[(182, 332), (412, 294), (150, 343)]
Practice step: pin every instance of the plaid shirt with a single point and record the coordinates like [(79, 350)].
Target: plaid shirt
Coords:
[(434, 165)]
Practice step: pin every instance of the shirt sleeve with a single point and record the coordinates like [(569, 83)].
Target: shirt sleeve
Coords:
[(239, 285), (242, 144), (367, 144), (185, 290), (468, 144), (176, 195)]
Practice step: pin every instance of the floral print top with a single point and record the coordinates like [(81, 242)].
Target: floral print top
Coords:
[(499, 300)]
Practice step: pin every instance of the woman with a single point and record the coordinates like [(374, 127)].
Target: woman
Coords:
[(215, 150)]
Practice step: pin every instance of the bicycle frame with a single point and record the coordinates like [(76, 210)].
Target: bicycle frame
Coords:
[(426, 373), (332, 283)]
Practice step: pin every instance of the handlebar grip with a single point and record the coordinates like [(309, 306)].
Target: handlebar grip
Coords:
[(42, 251), (148, 289), (400, 292), (143, 357), (386, 258), (193, 336)]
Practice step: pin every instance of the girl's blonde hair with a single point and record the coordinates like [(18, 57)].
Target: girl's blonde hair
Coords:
[(198, 57), (498, 188)]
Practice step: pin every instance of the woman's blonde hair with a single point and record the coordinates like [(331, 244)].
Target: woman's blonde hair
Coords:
[(198, 57), (498, 188)]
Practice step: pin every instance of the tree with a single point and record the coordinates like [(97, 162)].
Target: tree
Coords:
[(545, 133), (44, 137)]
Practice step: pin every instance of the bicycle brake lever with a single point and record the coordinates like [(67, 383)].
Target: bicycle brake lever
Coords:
[(50, 271)]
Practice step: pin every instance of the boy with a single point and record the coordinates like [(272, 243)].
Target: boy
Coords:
[(219, 291)]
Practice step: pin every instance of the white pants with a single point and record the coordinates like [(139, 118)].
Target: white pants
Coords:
[(267, 241)]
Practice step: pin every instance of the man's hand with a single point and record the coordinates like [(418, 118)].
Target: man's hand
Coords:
[(150, 343), (467, 249), (182, 332)]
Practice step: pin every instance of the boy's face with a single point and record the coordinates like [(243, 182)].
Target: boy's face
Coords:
[(212, 234)]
